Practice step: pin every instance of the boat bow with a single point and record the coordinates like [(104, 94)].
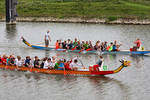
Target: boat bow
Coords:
[(124, 64), (25, 42)]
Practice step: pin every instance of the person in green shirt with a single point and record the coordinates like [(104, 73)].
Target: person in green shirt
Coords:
[(56, 65), (86, 45), (111, 46), (75, 43)]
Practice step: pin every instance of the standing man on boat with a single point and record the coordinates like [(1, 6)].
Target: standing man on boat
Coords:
[(47, 38)]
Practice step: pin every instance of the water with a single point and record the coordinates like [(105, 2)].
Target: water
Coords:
[(131, 83)]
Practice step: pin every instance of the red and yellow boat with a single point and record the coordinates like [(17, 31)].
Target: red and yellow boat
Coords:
[(89, 72)]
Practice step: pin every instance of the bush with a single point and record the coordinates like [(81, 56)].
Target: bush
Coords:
[(111, 18)]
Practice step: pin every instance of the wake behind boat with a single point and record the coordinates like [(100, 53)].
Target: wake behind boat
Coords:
[(143, 52)]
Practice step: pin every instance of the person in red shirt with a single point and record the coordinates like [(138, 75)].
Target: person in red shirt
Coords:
[(4, 59), (57, 44), (67, 65), (138, 43), (0, 60)]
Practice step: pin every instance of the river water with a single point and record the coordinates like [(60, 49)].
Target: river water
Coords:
[(131, 83)]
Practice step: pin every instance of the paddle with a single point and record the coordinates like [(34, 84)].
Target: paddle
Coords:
[(89, 49), (30, 69), (81, 50), (74, 48), (65, 71)]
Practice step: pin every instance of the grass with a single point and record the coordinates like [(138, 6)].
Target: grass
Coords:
[(86, 9)]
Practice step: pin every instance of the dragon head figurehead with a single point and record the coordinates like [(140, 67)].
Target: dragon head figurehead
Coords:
[(125, 63)]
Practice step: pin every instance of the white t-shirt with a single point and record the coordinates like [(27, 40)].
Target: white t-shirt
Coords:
[(46, 36), (47, 65), (19, 63)]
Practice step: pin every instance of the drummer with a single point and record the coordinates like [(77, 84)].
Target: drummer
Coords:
[(99, 63)]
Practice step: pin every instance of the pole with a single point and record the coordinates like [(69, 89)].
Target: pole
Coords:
[(11, 13)]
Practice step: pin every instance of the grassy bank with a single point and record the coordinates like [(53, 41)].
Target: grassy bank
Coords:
[(86, 9)]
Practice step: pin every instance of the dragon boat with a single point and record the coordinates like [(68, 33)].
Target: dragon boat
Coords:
[(89, 71), (87, 52)]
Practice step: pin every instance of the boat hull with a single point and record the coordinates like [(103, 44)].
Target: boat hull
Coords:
[(94, 51), (59, 72)]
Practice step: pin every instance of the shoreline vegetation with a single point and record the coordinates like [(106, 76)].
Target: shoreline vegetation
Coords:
[(80, 20), (82, 11)]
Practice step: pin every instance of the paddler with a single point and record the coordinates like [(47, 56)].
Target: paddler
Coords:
[(86, 45), (57, 44), (90, 45), (75, 43), (97, 45), (4, 59), (138, 43), (110, 47), (74, 65), (78, 46), (70, 45), (47, 38)]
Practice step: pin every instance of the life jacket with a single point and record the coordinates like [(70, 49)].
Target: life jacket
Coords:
[(107, 48), (67, 66), (114, 47), (111, 47), (57, 45)]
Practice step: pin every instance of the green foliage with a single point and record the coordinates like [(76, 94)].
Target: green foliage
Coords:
[(112, 18), (110, 9)]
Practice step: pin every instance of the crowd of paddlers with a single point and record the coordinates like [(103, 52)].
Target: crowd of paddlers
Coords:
[(46, 63), (87, 45)]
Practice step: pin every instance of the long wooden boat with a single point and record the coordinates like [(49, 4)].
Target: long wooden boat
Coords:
[(89, 52), (91, 72)]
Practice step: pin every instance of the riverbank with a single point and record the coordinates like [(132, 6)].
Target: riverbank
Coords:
[(80, 20), (89, 11)]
